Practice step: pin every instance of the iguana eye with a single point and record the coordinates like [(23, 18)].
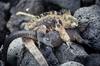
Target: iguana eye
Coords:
[(72, 21), (58, 25), (60, 22)]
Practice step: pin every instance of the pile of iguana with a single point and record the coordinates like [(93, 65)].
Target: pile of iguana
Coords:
[(48, 22)]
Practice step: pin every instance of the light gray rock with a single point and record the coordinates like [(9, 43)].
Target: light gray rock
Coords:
[(13, 51), (71, 63), (89, 24), (64, 54)]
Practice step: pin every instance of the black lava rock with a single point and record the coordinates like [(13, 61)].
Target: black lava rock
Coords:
[(92, 60), (29, 6), (64, 54), (87, 2), (73, 5), (89, 24)]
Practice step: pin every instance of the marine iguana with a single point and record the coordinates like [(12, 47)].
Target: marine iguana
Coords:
[(48, 19)]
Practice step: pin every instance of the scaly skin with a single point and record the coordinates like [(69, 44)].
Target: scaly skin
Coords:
[(49, 19), (26, 34)]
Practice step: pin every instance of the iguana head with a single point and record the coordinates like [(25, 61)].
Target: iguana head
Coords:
[(69, 20)]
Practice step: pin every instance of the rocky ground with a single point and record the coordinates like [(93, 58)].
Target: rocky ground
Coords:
[(87, 12)]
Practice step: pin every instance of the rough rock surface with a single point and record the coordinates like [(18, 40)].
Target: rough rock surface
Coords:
[(89, 24), (92, 60), (26, 59), (29, 6), (48, 53), (71, 63), (52, 39), (87, 2), (64, 54), (68, 4), (98, 2), (3, 8), (1, 63), (13, 51), (2, 21), (14, 2)]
